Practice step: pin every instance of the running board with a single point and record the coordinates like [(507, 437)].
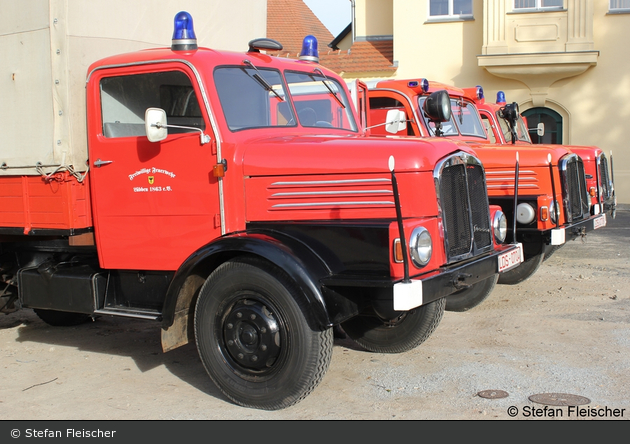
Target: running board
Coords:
[(137, 313)]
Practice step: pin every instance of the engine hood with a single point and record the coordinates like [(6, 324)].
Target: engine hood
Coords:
[(304, 155)]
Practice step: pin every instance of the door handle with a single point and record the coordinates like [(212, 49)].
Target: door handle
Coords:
[(99, 163)]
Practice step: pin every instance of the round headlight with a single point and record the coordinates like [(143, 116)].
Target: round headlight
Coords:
[(525, 213), (420, 246), (499, 227)]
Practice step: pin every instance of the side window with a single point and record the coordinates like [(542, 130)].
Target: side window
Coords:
[(488, 126), (124, 100), (378, 114)]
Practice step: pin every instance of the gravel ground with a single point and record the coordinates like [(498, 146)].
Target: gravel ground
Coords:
[(565, 330)]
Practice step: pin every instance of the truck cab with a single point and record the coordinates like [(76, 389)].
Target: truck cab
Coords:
[(599, 174), (541, 188)]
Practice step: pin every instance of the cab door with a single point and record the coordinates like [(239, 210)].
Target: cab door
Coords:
[(154, 203)]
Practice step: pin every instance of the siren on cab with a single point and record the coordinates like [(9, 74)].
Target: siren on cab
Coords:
[(184, 38), (479, 92), (309, 49), (423, 83), (501, 98)]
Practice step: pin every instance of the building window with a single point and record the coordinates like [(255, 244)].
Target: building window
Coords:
[(538, 4), (552, 123), (450, 8), (619, 5)]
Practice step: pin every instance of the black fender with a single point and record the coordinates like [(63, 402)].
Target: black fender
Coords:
[(294, 257)]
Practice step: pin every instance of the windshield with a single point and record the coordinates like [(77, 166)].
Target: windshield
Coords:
[(521, 130), (252, 97), (464, 119), (320, 101)]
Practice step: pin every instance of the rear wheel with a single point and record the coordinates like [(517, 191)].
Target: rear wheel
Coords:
[(61, 318), (523, 271), (398, 335), (468, 298), (254, 339)]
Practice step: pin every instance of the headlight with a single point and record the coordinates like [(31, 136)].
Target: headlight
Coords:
[(499, 227), (525, 213), (420, 246)]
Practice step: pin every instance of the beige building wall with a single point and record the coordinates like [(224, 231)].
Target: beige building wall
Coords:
[(575, 62), (373, 18)]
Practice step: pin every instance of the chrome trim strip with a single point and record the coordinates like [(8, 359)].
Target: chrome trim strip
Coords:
[(331, 182), (332, 193), (527, 185), (329, 204)]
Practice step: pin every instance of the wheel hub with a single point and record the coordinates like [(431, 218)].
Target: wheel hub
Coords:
[(252, 335)]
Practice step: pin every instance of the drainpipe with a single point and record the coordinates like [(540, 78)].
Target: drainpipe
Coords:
[(354, 28)]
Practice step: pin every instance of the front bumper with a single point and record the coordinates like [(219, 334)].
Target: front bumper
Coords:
[(428, 287), (560, 235)]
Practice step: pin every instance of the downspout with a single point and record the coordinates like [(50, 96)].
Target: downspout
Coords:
[(354, 28)]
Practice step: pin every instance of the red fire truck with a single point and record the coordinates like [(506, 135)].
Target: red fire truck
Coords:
[(599, 176), (234, 198), (544, 186)]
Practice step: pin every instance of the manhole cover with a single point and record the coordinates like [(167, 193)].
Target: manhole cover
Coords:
[(493, 394), (559, 399)]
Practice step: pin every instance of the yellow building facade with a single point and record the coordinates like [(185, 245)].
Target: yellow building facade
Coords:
[(566, 62)]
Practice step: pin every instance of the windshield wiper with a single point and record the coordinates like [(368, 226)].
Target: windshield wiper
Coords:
[(334, 94), (259, 78)]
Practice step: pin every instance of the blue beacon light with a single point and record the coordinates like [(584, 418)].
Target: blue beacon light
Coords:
[(184, 38), (309, 49), (500, 98), (424, 84), (479, 92)]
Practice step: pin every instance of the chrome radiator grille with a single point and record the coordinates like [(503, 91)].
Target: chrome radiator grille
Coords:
[(463, 199), (604, 177), (574, 193)]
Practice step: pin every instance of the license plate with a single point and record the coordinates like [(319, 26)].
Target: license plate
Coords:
[(510, 259), (599, 222)]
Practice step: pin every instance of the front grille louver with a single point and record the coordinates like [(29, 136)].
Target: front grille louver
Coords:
[(462, 196)]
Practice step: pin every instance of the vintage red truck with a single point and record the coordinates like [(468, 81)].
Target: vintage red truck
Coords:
[(599, 174), (549, 192), (234, 198)]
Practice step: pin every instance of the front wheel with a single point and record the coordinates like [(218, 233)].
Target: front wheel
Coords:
[(523, 271), (468, 298), (399, 335), (254, 339)]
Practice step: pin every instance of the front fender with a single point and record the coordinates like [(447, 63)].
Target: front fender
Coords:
[(295, 258)]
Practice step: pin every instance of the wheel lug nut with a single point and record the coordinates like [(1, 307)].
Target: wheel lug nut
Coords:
[(230, 326), (263, 347), (239, 315), (252, 317), (254, 358), (263, 330), (230, 342), (240, 356)]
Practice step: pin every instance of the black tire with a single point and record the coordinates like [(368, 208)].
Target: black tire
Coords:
[(521, 272), (550, 251), (254, 339), (468, 298), (397, 335), (61, 318)]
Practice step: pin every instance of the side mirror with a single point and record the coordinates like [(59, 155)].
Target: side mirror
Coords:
[(155, 124), (438, 106), (540, 129), (395, 121)]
